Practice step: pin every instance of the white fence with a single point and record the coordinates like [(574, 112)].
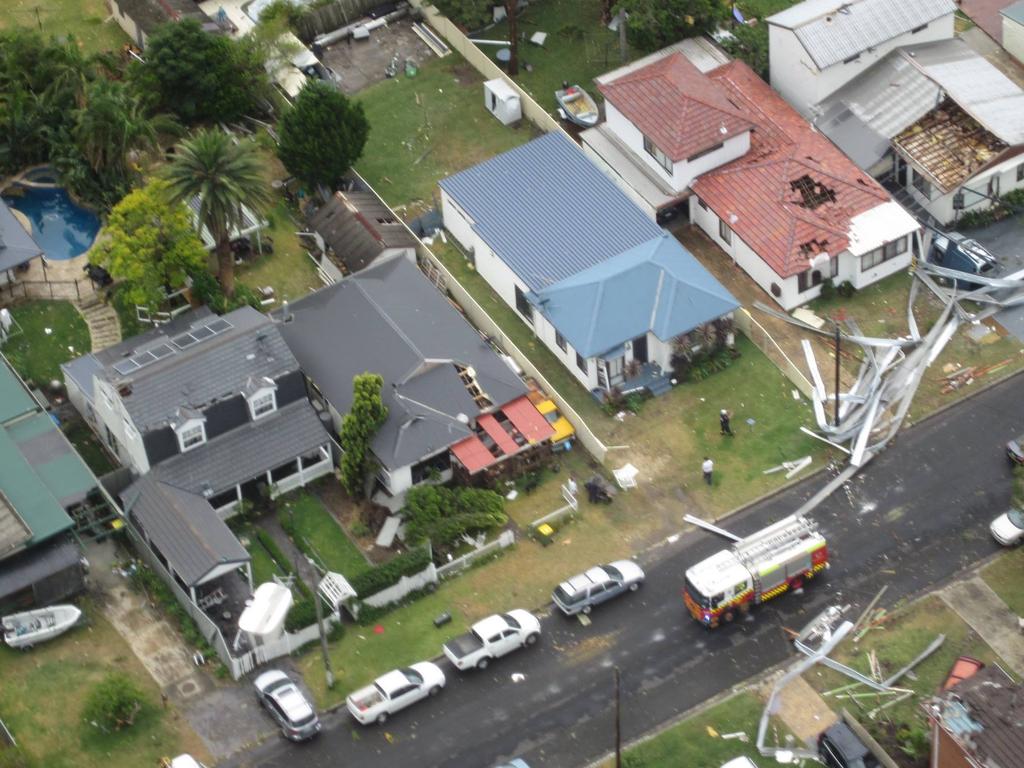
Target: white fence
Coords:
[(505, 540), (403, 587)]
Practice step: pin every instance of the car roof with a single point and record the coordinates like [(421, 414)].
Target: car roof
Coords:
[(392, 681), (293, 702), (582, 581), (845, 740), (269, 677), (490, 625)]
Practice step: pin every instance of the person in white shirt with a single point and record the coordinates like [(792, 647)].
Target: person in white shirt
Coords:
[(707, 467)]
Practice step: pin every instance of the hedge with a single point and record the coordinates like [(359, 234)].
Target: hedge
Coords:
[(389, 573), (303, 611)]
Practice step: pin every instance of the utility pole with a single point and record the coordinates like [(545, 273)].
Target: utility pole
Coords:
[(623, 47), (618, 723), (328, 672), (837, 374)]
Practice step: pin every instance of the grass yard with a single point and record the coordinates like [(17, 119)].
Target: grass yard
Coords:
[(45, 689), (760, 9), (903, 637), (428, 127), (1006, 577), (288, 269), (881, 310), (578, 47), (263, 565), (691, 743), (314, 523), (87, 20), (88, 447), (52, 333)]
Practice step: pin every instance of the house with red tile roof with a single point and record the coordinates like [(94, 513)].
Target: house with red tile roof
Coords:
[(788, 207)]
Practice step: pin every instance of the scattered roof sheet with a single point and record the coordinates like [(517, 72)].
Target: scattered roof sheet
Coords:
[(398, 325), (358, 227), (794, 194), (548, 211), (16, 245), (985, 715), (673, 104), (949, 144), (184, 527), (834, 30)]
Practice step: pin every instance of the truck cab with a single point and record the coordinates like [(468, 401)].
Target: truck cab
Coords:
[(717, 589), (953, 250)]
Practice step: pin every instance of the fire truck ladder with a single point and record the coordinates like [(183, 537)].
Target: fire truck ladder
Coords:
[(754, 549)]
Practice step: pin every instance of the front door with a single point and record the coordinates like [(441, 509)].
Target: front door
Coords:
[(901, 170), (640, 349)]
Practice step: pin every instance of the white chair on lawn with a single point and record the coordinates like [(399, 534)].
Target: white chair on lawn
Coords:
[(626, 476)]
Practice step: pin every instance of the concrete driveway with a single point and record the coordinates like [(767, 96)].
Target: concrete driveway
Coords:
[(1005, 239)]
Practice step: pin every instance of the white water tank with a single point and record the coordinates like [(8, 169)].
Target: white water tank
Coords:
[(502, 101)]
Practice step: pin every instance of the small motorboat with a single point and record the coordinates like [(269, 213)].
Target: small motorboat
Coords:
[(577, 105), (23, 630)]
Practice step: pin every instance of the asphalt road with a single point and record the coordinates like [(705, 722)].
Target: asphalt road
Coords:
[(915, 518)]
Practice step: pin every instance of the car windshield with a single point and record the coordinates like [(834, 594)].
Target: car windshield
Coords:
[(1016, 517), (413, 675), (567, 597), (551, 416), (304, 721), (612, 571), (696, 596), (510, 621)]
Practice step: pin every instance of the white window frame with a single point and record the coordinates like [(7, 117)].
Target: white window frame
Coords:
[(190, 426), (259, 395), (129, 430)]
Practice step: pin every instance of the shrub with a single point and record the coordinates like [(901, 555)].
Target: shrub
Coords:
[(389, 573), (148, 581), (114, 703), (301, 614), (828, 289), (442, 515), (360, 529), (206, 290), (846, 289)]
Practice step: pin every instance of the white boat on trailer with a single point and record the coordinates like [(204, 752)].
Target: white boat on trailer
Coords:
[(23, 630)]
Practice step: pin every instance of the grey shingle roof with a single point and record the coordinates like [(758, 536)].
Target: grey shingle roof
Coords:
[(184, 527), (203, 373), (834, 30), (247, 451), (548, 211), (16, 245), (388, 319)]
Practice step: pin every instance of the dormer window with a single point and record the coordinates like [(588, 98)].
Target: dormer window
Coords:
[(191, 434), (262, 403)]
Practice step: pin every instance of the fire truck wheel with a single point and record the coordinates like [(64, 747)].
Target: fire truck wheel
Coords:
[(729, 616)]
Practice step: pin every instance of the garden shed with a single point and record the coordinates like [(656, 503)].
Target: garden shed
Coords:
[(502, 101)]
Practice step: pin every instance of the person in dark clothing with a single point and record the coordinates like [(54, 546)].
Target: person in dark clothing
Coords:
[(723, 422)]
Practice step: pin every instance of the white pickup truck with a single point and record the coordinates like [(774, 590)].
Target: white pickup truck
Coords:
[(492, 638)]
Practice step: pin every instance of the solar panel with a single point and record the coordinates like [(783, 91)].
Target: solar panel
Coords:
[(184, 340), (125, 367), (219, 326), (161, 352), (201, 333), (143, 358)]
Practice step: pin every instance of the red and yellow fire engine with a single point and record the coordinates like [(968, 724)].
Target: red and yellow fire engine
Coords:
[(762, 566)]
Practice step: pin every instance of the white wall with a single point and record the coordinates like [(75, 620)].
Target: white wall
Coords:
[(1013, 38), (111, 413), (545, 331), (795, 76), (941, 206), (682, 172), (457, 222)]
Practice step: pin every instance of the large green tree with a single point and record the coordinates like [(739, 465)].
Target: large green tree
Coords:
[(150, 244), (200, 76), (322, 135), (367, 414), (653, 24), (224, 176)]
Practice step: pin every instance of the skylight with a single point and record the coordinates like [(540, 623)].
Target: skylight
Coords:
[(200, 333)]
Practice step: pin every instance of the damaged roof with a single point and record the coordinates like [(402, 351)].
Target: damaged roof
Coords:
[(793, 196), (358, 227), (676, 107), (832, 31), (984, 714)]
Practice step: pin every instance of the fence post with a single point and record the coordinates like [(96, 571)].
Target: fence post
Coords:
[(78, 293)]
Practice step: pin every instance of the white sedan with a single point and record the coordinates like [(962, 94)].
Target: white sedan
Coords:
[(395, 691), (1008, 528)]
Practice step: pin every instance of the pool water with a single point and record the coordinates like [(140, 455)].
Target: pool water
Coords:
[(62, 229)]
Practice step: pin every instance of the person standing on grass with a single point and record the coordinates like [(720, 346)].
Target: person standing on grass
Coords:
[(723, 423), (707, 468)]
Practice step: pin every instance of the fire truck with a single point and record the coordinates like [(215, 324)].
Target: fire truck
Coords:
[(762, 566)]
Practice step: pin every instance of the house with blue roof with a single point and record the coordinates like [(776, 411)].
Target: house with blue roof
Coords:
[(606, 289)]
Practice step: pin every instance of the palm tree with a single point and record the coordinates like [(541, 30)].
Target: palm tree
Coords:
[(114, 126), (224, 176)]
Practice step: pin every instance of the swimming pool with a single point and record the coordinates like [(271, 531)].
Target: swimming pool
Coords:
[(62, 228)]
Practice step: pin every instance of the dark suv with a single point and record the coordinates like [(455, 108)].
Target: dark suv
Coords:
[(839, 747)]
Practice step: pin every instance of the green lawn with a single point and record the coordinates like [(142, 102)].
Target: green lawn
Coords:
[(427, 127), (691, 743), (1006, 577), (263, 565), (323, 533), (88, 447), (288, 269), (52, 333), (82, 18), (44, 691), (578, 48), (760, 9)]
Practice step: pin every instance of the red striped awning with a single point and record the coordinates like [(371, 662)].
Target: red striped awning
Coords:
[(528, 420), (498, 434), (473, 454)]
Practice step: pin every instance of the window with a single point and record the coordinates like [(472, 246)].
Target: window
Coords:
[(660, 157), (191, 434), (704, 205), (1020, 172), (895, 248), (581, 362), (851, 59), (993, 185), (560, 341), (703, 152), (262, 403), (108, 400), (888, 251), (129, 431), (923, 185), (808, 279), (921, 28), (724, 232), (523, 305)]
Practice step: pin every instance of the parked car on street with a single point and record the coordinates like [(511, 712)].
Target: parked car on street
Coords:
[(596, 585), (1008, 528), (287, 705), (1015, 451), (564, 431), (395, 691), (492, 638)]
